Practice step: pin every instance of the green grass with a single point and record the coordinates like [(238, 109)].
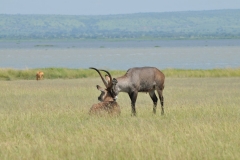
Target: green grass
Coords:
[(66, 73), (50, 73), (227, 72), (49, 120)]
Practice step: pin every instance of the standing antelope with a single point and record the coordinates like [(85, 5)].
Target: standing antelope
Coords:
[(138, 79), (39, 75)]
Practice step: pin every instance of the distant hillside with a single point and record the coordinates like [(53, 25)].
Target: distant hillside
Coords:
[(169, 25)]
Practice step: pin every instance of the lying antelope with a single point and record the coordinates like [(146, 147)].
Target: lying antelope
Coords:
[(108, 105), (111, 107), (39, 75), (142, 79)]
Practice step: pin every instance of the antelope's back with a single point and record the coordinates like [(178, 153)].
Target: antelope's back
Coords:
[(146, 77), (145, 73)]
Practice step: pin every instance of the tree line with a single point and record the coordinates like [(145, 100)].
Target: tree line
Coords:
[(167, 25)]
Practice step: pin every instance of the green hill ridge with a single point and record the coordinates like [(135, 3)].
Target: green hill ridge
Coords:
[(166, 25)]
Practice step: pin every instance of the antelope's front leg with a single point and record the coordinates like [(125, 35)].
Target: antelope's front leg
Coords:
[(133, 97)]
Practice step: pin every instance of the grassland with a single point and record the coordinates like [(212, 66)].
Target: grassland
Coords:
[(66, 73), (49, 120), (49, 73)]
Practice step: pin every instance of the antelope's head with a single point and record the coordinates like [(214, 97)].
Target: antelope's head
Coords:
[(108, 93)]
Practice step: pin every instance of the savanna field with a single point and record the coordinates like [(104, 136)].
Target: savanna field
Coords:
[(49, 119)]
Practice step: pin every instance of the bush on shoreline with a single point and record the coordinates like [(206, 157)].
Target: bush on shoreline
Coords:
[(66, 73)]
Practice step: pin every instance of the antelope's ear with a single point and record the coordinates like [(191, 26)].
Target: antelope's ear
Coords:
[(100, 88), (114, 81), (107, 78)]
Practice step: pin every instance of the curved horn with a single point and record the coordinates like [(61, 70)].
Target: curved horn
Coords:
[(110, 83), (104, 81)]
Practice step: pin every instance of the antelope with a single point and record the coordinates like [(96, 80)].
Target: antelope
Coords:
[(138, 79), (39, 75), (111, 107), (107, 104)]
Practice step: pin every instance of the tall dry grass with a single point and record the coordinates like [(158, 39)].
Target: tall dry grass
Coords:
[(49, 120)]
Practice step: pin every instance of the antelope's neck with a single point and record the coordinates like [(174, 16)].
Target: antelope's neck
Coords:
[(122, 85)]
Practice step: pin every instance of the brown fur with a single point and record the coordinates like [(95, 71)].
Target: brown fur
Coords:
[(39, 75), (110, 107)]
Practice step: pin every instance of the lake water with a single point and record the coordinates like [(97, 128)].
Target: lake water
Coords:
[(182, 54)]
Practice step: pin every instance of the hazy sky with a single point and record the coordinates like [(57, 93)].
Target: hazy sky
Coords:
[(105, 7)]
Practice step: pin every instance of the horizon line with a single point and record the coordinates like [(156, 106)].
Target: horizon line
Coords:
[(116, 13)]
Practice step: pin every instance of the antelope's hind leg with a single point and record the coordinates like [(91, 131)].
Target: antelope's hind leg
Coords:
[(154, 99), (160, 94)]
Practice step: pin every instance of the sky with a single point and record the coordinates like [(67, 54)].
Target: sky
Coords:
[(107, 7)]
